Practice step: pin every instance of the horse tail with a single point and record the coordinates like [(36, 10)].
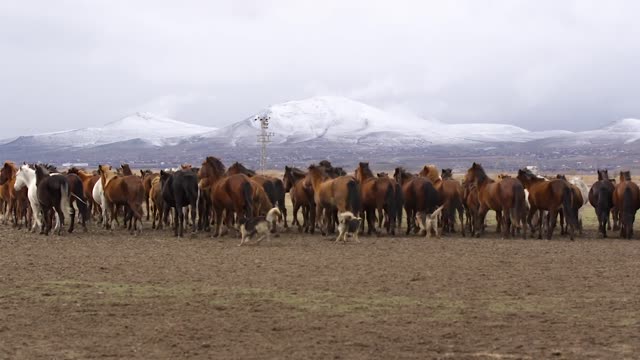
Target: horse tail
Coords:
[(571, 217), (247, 194), (604, 200), (279, 195), (353, 196), (399, 201), (517, 212), (64, 199), (628, 213), (390, 199), (431, 197)]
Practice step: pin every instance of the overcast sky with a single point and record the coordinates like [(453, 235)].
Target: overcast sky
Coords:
[(538, 64)]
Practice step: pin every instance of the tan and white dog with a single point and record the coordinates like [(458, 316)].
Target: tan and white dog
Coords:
[(348, 223), (261, 225), (429, 222)]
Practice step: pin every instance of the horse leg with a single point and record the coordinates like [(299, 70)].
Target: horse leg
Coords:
[(72, 217), (371, 221), (194, 229), (178, 215), (553, 218), (409, 217), (482, 213), (218, 219), (146, 200)]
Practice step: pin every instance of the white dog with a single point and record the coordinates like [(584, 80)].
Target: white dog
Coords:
[(261, 225), (429, 222), (348, 223)]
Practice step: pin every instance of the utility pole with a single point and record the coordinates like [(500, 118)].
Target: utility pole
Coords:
[(264, 138)]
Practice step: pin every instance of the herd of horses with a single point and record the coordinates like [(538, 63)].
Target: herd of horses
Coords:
[(214, 198)]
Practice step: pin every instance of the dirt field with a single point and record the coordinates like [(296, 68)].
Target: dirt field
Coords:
[(110, 295)]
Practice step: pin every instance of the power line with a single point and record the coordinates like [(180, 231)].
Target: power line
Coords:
[(264, 138)]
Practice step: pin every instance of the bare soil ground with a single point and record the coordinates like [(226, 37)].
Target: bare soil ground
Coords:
[(111, 295)]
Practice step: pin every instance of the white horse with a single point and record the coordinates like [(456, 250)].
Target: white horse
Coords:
[(98, 197), (26, 176), (584, 190)]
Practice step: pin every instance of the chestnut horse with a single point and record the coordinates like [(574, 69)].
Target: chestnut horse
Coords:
[(601, 198), (419, 195), (505, 197), (552, 196), (471, 205), (626, 198), (339, 194), (124, 191), (451, 195), (298, 185), (578, 201), (17, 200), (228, 193), (147, 179), (273, 187), (377, 194), (88, 183)]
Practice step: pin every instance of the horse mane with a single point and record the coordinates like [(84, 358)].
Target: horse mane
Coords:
[(325, 164), (243, 169), (431, 172), (50, 168), (561, 176), (295, 172), (318, 169), (481, 175), (382, 175), (216, 164), (365, 170)]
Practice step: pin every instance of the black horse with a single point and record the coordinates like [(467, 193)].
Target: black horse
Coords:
[(180, 189), (76, 196), (601, 198), (53, 195)]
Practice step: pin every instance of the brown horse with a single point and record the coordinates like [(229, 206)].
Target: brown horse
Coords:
[(156, 203), (125, 170), (89, 181), (552, 196), (505, 197), (471, 205), (17, 201), (298, 185), (377, 194), (451, 195), (339, 194), (229, 193), (577, 204), (626, 198), (601, 198), (124, 191), (419, 195), (273, 187), (147, 179)]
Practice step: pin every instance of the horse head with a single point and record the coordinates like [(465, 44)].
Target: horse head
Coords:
[(363, 171), (447, 174), (603, 174), (211, 167), (8, 172), (625, 176), (382, 175), (475, 173)]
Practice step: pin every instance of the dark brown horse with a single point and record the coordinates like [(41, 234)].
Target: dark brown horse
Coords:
[(53, 195), (232, 194), (273, 187), (505, 197), (147, 179), (378, 195), (77, 201), (125, 170), (626, 198), (126, 191), (601, 198), (298, 185), (451, 195), (419, 195), (332, 196), (552, 196)]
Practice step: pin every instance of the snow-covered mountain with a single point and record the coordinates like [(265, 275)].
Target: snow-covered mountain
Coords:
[(347, 121), (149, 128)]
